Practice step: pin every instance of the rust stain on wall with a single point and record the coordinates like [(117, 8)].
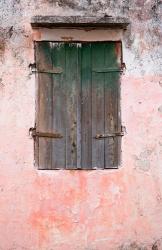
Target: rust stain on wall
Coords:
[(66, 38)]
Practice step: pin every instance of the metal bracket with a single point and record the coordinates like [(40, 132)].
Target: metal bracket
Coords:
[(103, 136), (54, 70), (120, 133), (34, 134)]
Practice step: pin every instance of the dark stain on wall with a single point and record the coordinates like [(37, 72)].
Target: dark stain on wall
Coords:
[(156, 245), (2, 47), (132, 246), (77, 5), (5, 34), (156, 8)]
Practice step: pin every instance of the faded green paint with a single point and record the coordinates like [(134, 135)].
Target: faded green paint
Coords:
[(84, 103)]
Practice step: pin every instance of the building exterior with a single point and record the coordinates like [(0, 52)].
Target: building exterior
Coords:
[(103, 209)]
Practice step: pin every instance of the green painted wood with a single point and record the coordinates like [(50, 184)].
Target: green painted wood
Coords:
[(111, 113), (106, 70), (79, 115), (97, 105), (71, 109), (79, 103), (86, 107), (112, 98)]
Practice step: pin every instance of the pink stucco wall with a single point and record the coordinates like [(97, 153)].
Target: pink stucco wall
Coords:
[(82, 210)]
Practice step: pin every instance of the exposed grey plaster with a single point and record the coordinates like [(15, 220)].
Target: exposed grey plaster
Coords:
[(143, 164), (132, 246), (142, 161)]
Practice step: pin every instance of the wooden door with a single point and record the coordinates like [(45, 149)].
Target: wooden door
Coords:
[(78, 98)]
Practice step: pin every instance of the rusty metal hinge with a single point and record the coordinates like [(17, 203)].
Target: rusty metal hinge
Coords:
[(102, 136), (107, 135), (34, 134)]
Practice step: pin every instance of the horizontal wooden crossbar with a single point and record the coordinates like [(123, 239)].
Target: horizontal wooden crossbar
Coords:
[(35, 133), (107, 70)]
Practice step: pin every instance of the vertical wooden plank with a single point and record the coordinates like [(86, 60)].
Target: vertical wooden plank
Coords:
[(44, 109), (119, 56), (111, 96), (86, 107), (79, 116), (97, 105), (71, 80), (36, 140), (59, 122)]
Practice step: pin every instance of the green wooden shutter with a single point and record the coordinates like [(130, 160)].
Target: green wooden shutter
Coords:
[(78, 98)]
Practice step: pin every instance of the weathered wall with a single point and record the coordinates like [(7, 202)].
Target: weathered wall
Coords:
[(84, 210)]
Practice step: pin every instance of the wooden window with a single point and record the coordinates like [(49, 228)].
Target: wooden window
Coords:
[(78, 106)]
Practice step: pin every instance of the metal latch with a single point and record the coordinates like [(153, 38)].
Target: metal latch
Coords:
[(103, 136), (34, 133), (54, 70)]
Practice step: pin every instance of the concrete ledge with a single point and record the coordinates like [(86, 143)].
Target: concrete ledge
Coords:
[(79, 21)]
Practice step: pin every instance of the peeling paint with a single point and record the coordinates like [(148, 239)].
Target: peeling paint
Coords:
[(142, 161), (132, 246), (144, 246)]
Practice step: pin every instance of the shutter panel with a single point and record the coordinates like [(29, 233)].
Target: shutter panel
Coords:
[(112, 99), (58, 108), (44, 105), (106, 63)]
